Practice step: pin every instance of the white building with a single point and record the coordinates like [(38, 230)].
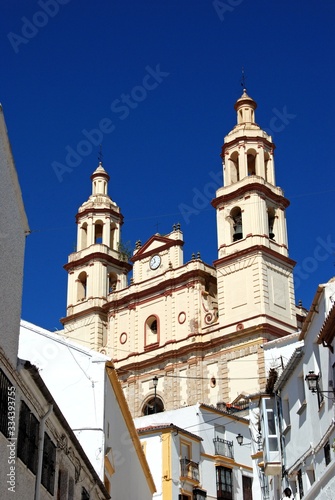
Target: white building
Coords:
[(193, 453), (298, 424), (87, 390)]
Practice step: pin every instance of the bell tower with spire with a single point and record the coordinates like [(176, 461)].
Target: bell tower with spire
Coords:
[(98, 266), (254, 271)]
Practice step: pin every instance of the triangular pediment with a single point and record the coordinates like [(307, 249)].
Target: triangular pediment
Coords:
[(155, 244)]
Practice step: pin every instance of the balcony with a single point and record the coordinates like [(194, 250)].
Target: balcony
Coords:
[(189, 469), (223, 447)]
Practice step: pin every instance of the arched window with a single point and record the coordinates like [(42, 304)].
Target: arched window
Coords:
[(83, 236), (237, 228), (251, 159), (271, 222), (112, 236), (234, 167), (82, 286), (266, 165), (112, 282), (151, 331), (98, 231), (154, 405)]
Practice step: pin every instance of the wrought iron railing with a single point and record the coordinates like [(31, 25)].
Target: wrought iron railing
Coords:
[(223, 447), (189, 469)]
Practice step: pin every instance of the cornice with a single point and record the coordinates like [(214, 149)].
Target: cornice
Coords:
[(136, 298), (80, 314), (262, 331), (105, 211), (246, 139), (97, 256), (254, 249), (247, 188)]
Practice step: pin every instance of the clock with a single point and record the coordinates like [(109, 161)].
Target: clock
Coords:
[(155, 262)]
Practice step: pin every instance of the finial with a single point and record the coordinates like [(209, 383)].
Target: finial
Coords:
[(100, 155), (243, 80)]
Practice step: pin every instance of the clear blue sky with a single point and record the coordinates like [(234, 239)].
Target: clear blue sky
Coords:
[(66, 67)]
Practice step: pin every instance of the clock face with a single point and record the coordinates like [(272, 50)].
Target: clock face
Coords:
[(155, 262)]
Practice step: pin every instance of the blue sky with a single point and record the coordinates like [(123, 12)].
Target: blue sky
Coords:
[(156, 82)]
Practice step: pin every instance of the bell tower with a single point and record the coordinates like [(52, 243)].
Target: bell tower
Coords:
[(254, 271), (98, 266)]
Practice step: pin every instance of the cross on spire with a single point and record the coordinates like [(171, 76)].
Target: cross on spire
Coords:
[(243, 80), (100, 155)]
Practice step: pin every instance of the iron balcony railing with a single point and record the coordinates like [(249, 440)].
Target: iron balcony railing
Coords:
[(223, 447), (189, 469)]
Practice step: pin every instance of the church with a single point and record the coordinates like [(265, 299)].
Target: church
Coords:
[(186, 332)]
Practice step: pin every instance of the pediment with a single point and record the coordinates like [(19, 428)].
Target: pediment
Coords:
[(155, 244)]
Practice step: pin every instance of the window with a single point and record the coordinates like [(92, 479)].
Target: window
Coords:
[(234, 168), (301, 393), (221, 445), (224, 483), (247, 487), (185, 450), (286, 413), (151, 331), (271, 222), (310, 475), (326, 450), (267, 166), (270, 430), (236, 216), (112, 282), (189, 469), (251, 159), (83, 236), (153, 406), (98, 231), (4, 402), (82, 286), (112, 236), (62, 491), (49, 464), (300, 485), (27, 446)]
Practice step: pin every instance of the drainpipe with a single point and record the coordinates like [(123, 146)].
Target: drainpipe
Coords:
[(40, 454)]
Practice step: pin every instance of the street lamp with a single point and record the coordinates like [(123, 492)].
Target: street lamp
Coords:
[(239, 439), (155, 382), (312, 380)]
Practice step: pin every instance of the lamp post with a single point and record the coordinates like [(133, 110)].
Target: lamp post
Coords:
[(239, 439), (312, 380), (155, 382)]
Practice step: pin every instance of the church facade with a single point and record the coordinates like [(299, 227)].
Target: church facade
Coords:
[(182, 332)]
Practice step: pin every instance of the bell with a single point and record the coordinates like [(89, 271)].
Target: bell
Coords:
[(237, 232)]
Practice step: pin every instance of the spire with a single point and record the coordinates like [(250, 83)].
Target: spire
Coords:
[(245, 107), (99, 180)]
